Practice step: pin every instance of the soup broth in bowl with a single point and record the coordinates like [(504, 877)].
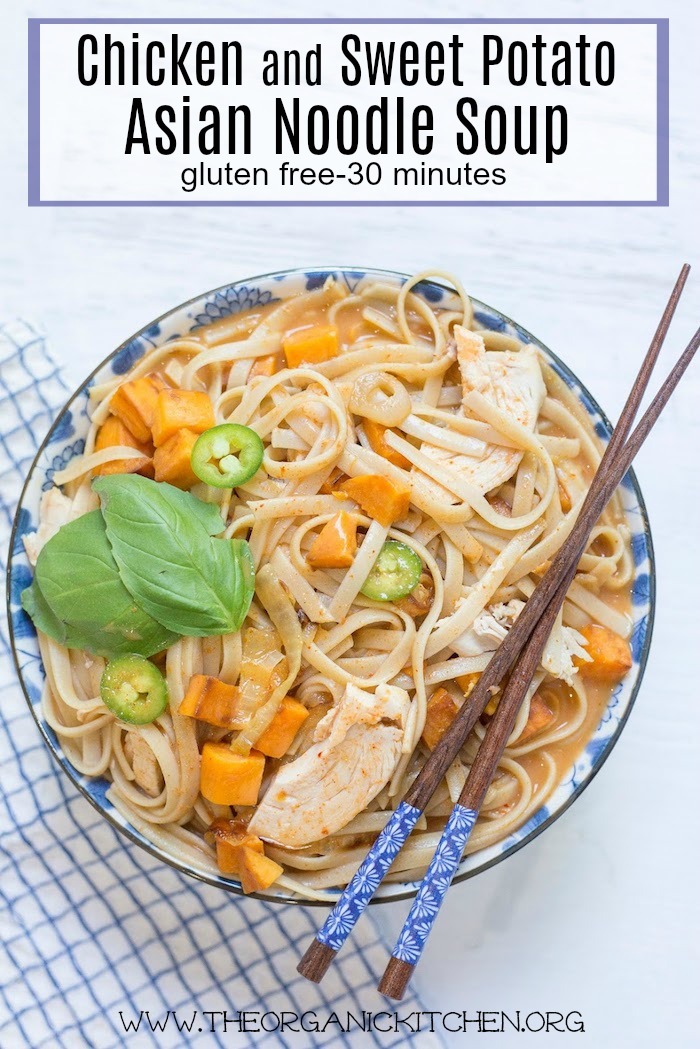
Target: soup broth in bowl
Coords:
[(393, 465)]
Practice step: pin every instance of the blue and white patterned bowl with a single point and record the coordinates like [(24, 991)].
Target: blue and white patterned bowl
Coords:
[(66, 439)]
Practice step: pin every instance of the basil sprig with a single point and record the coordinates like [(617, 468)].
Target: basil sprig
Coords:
[(77, 596), (169, 562), (141, 572)]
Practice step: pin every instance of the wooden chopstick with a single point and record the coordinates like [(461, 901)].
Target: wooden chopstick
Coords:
[(367, 879), (449, 851)]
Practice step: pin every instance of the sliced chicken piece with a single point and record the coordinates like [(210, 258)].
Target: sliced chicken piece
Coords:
[(54, 512), (147, 771), (356, 748), (491, 626), (512, 381)]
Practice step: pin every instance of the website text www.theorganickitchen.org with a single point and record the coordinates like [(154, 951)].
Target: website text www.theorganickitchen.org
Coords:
[(223, 1021)]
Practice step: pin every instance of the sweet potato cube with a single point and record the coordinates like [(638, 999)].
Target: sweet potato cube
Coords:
[(230, 836), (611, 654), (335, 545), (538, 719), (135, 403), (279, 734), (230, 779), (228, 853), (181, 410), (265, 366), (492, 705), (212, 700), (441, 712), (173, 460), (311, 345), (374, 432), (257, 871), (380, 497), (467, 682), (112, 434)]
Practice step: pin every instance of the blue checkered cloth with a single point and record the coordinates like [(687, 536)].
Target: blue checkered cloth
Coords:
[(93, 930)]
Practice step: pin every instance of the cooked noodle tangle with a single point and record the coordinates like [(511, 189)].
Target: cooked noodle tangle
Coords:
[(397, 367)]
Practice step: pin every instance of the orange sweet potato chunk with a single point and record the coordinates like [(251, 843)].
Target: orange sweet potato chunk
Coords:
[(181, 410), (441, 712), (279, 734), (611, 654), (374, 432), (172, 462), (113, 433), (539, 718), (311, 345), (257, 871), (335, 545), (380, 497), (265, 366), (212, 700), (135, 403), (230, 836), (467, 682), (230, 779), (228, 853)]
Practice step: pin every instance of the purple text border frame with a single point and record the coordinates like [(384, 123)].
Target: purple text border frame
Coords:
[(662, 114)]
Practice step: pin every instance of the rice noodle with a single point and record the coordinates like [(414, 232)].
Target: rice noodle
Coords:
[(397, 368)]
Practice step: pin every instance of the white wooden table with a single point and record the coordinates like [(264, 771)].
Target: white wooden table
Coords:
[(601, 913)]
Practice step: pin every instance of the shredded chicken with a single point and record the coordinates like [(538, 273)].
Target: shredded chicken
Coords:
[(54, 512), (491, 626), (512, 381), (355, 751)]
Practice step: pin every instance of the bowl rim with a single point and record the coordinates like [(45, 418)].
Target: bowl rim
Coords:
[(404, 892)]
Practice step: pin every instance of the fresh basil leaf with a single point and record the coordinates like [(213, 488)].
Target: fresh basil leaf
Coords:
[(192, 583), (186, 504), (82, 635), (77, 581), (37, 608), (208, 514)]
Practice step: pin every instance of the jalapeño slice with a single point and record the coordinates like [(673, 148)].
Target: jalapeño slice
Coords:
[(227, 455), (395, 573), (134, 690)]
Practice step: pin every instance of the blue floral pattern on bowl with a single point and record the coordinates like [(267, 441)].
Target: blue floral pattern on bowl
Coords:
[(126, 357), (60, 460), (227, 301), (66, 439)]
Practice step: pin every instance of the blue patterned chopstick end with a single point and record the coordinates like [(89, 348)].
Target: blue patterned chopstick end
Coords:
[(435, 884), (367, 879)]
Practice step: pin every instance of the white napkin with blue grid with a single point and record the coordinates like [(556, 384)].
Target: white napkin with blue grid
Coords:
[(94, 932)]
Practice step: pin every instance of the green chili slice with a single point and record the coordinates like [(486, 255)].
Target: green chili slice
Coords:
[(134, 690), (227, 455), (395, 573)]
